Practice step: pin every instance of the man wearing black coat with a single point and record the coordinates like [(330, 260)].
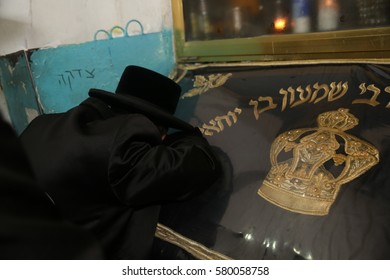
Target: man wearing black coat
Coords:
[(108, 163), (31, 227)]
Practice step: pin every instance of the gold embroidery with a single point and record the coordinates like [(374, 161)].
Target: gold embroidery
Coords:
[(196, 249), (216, 124), (302, 183), (387, 89), (330, 92), (255, 104), (292, 97), (373, 100), (203, 84)]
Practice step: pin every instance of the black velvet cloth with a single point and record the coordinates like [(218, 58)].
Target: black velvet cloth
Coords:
[(267, 102), (31, 227), (110, 172)]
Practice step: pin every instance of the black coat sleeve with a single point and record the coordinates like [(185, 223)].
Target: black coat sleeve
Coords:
[(145, 170)]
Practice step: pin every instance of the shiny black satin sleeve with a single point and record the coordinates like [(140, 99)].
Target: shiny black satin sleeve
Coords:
[(144, 170)]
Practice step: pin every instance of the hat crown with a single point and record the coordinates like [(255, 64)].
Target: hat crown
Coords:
[(144, 91), (150, 86)]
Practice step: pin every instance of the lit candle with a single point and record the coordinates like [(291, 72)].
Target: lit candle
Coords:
[(328, 15), (280, 22)]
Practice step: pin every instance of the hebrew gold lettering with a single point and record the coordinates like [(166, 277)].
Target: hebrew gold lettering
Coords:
[(207, 133), (219, 120), (372, 101), (292, 96), (387, 89), (302, 97), (317, 88), (363, 88), (227, 118), (217, 124), (284, 92), (338, 91), (208, 129), (233, 115), (256, 111), (331, 92)]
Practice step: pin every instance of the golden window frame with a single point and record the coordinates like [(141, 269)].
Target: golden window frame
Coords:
[(371, 44)]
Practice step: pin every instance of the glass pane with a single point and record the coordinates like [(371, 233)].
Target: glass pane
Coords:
[(219, 19)]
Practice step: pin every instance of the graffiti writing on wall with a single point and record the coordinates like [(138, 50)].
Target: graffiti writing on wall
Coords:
[(293, 97), (69, 76)]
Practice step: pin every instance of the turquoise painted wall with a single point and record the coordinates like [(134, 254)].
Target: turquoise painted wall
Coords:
[(18, 88), (62, 76)]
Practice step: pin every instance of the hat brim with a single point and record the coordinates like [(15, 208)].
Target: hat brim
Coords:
[(138, 105)]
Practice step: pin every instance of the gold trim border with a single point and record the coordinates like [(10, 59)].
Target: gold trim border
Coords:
[(182, 68), (196, 249), (195, 66)]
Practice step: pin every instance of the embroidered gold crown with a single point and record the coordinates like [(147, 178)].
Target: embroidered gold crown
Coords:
[(321, 160), (340, 119)]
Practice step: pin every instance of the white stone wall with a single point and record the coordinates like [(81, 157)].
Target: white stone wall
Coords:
[(27, 24)]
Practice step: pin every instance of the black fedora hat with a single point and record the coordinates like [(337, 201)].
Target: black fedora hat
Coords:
[(147, 92)]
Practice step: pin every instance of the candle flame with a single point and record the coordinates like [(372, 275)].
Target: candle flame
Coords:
[(280, 24)]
